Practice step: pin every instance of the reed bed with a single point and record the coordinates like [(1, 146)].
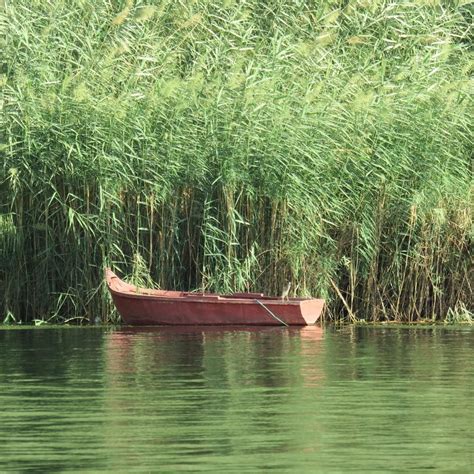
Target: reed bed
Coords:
[(234, 146)]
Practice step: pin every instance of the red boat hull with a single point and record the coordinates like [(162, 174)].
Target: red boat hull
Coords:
[(144, 307)]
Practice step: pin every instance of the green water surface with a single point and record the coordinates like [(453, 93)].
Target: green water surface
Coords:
[(355, 399)]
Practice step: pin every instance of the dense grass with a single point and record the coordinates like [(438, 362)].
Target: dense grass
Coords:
[(234, 145)]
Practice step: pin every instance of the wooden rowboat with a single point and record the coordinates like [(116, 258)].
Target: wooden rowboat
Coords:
[(143, 307)]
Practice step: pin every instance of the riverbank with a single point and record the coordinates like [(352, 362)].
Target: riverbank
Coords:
[(466, 322)]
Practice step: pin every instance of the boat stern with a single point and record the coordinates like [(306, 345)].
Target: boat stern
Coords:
[(311, 310)]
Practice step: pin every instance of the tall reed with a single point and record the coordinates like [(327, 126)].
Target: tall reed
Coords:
[(234, 145)]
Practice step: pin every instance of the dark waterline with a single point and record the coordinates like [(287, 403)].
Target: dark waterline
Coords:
[(215, 399)]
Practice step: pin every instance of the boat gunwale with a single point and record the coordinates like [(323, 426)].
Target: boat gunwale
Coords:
[(199, 298), (217, 299)]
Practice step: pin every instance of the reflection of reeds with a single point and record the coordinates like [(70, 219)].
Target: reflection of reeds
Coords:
[(234, 148)]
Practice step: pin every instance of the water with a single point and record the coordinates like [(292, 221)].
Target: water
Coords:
[(355, 399)]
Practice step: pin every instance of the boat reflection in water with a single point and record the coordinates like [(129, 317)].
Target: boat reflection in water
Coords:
[(207, 389), (164, 349), (159, 348)]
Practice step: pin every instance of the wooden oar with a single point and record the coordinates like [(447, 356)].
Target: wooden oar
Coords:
[(271, 313)]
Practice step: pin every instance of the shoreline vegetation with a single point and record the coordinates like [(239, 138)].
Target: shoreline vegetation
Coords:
[(235, 146), (465, 321)]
